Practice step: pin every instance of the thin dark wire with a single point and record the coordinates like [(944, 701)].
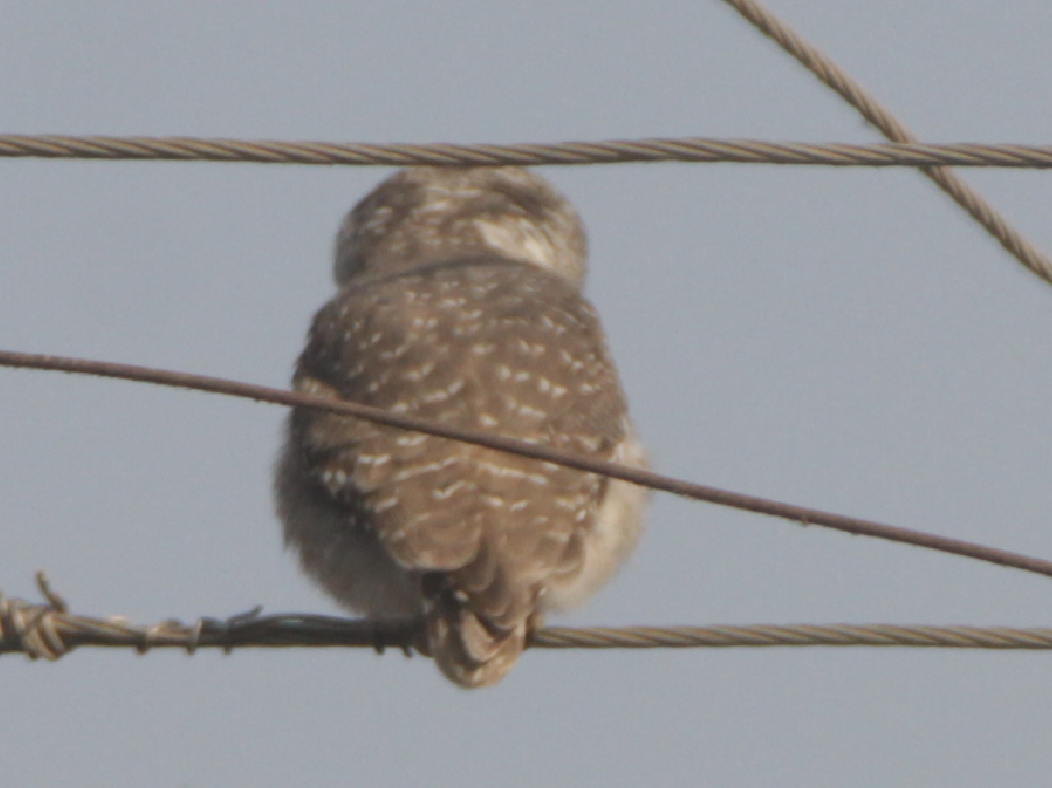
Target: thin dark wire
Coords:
[(678, 149), (881, 118), (804, 515)]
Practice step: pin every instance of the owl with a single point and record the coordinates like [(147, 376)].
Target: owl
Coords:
[(459, 301)]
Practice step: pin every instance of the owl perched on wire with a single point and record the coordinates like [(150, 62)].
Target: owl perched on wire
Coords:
[(460, 302)]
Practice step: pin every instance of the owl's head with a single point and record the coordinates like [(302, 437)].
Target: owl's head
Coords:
[(426, 214)]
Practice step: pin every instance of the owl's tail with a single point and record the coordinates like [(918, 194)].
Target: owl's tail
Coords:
[(477, 621), (469, 650)]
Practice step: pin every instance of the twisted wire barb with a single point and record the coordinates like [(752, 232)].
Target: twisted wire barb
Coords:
[(48, 631), (699, 492), (904, 153), (881, 118)]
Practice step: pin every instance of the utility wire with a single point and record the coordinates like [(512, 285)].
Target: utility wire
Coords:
[(49, 631), (706, 150), (881, 118), (699, 492)]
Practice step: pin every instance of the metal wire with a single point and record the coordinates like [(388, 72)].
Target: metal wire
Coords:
[(699, 492), (682, 149), (795, 635), (880, 117), (905, 149), (49, 632)]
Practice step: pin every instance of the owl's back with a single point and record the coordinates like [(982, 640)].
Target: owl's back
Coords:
[(479, 536)]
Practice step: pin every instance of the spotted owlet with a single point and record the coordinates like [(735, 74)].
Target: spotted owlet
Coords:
[(460, 302)]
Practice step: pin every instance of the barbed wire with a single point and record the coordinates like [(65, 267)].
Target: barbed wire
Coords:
[(881, 118), (48, 630), (656, 481), (705, 150)]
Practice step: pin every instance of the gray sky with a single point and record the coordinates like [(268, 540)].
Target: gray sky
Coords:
[(844, 339)]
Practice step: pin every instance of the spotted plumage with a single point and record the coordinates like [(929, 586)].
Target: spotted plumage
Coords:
[(459, 302)]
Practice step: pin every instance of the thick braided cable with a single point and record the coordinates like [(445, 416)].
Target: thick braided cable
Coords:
[(879, 116), (679, 149)]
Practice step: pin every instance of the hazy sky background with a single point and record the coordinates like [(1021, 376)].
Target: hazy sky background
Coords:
[(845, 339)]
